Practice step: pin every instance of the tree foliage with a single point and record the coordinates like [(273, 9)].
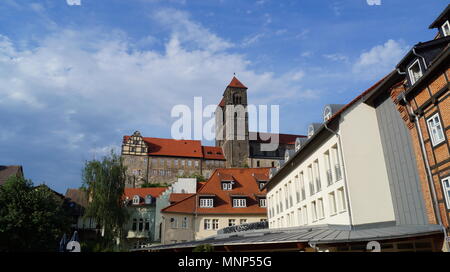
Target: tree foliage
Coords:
[(31, 218), (104, 182), (203, 248), (198, 176), (151, 185)]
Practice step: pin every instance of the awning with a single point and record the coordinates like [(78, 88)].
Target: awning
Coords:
[(321, 234)]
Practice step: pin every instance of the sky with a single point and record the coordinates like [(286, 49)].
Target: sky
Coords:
[(78, 75)]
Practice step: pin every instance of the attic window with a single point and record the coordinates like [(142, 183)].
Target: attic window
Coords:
[(261, 184), (206, 202), (227, 186), (415, 72), (209, 153), (239, 202), (446, 29), (136, 200), (148, 199)]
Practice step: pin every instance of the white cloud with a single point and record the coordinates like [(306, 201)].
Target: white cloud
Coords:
[(380, 59), (248, 41), (336, 57)]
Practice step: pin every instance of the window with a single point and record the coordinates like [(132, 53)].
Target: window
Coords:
[(288, 220), (305, 215), (184, 223), (332, 199), (239, 202), (196, 163), (291, 191), (134, 227), (286, 196), (136, 200), (310, 131), (435, 128), (262, 202), (173, 223), (227, 186), (302, 186), (318, 183), (243, 221), (341, 199), (215, 224), (175, 162), (261, 184), (314, 211), (141, 224), (148, 199), (446, 189), (299, 217), (446, 29), (231, 222), (337, 166), (310, 178), (320, 208), (207, 224), (206, 203), (147, 224), (328, 168), (257, 164), (415, 72)]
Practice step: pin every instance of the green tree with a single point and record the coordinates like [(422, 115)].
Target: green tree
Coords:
[(203, 248), (104, 182), (151, 185), (198, 176), (31, 218)]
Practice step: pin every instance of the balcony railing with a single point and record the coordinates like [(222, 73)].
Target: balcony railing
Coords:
[(337, 169), (244, 227), (329, 177)]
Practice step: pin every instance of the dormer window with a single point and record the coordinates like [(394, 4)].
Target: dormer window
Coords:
[(136, 200), (227, 186), (446, 29), (261, 184), (415, 72), (262, 202), (148, 200), (206, 202), (239, 202)]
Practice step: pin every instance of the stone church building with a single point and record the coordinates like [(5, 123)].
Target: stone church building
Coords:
[(158, 160)]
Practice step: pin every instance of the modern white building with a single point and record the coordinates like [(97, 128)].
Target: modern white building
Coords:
[(337, 176)]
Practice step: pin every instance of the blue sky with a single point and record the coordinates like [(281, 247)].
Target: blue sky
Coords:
[(75, 78)]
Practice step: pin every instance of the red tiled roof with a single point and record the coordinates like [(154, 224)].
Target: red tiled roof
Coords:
[(213, 153), (177, 197), (222, 102), (283, 138), (235, 83), (7, 171), (143, 192), (172, 147), (245, 184)]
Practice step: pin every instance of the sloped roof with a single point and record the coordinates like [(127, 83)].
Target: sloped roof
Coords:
[(235, 83), (213, 153), (78, 196), (177, 197), (283, 138), (143, 192), (7, 171), (245, 184)]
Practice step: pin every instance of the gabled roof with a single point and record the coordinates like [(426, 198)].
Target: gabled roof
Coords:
[(235, 83), (283, 138), (213, 153), (245, 184), (7, 171), (172, 147)]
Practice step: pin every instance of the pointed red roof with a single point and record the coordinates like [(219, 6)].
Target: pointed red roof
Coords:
[(235, 83)]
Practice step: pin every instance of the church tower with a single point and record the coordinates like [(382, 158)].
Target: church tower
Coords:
[(232, 124)]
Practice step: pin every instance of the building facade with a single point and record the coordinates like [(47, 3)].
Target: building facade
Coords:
[(422, 99), (157, 160), (231, 196)]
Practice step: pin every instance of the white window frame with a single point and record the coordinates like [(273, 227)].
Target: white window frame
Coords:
[(215, 224), (231, 222), (206, 202), (239, 202), (184, 223), (173, 223), (242, 221), (327, 114), (207, 224), (227, 186), (263, 202), (411, 77), (446, 189), (447, 23), (136, 200), (433, 127)]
